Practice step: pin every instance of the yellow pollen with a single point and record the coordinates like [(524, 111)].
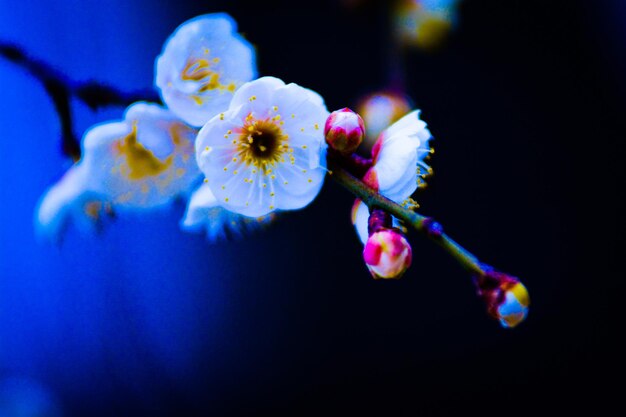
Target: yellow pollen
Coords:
[(316, 126), (275, 108), (140, 162), (261, 144), (206, 180)]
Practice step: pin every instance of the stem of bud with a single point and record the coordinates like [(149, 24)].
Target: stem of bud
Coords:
[(410, 218)]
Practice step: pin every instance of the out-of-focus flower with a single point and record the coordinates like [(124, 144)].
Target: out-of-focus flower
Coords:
[(387, 254), (204, 214), (399, 166), (143, 161), (267, 151), (66, 203), (202, 64), (425, 23), (379, 110), (506, 297), (344, 131)]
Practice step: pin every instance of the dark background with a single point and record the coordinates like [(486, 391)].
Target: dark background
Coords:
[(526, 102)]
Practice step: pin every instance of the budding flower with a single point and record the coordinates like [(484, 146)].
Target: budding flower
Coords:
[(387, 254), (506, 297), (344, 131)]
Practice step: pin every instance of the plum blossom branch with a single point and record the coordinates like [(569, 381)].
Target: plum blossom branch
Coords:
[(423, 224), (61, 89)]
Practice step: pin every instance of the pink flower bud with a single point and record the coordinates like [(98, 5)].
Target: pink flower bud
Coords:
[(387, 254), (506, 297), (344, 131)]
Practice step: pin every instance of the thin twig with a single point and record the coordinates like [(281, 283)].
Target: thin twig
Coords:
[(60, 89), (425, 225)]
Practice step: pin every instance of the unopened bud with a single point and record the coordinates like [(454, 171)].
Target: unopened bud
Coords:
[(387, 254), (344, 131), (506, 297)]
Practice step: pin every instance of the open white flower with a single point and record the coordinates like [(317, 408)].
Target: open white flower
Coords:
[(205, 214), (144, 161), (267, 151), (399, 166), (202, 64)]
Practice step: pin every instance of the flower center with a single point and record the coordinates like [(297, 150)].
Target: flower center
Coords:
[(261, 143), (200, 71)]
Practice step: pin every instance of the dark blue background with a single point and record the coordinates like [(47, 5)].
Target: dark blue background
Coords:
[(527, 106)]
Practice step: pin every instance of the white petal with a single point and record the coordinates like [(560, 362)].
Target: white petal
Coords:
[(205, 214), (257, 96), (360, 217)]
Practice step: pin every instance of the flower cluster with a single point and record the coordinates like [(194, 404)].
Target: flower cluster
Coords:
[(239, 149)]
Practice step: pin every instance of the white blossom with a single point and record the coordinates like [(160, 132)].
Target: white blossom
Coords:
[(202, 64), (141, 162), (267, 151)]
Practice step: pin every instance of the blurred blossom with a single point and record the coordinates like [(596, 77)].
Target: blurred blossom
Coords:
[(379, 110), (144, 161), (204, 214), (67, 202), (425, 23), (267, 151), (202, 65), (21, 397), (399, 166)]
